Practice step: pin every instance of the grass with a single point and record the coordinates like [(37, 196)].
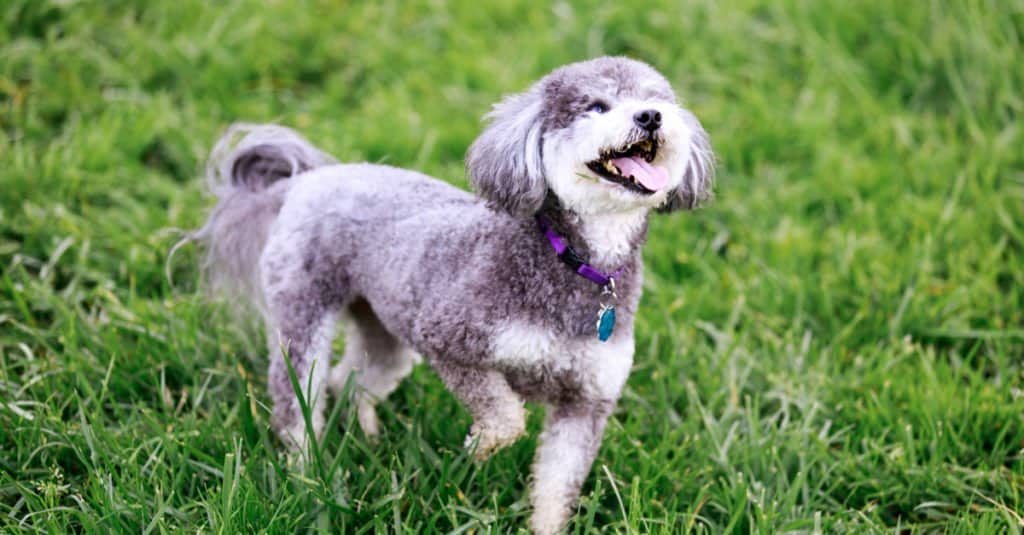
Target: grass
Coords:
[(834, 345)]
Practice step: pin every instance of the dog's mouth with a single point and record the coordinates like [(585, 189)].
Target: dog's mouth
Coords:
[(630, 167)]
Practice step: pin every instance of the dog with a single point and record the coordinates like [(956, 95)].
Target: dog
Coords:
[(525, 292)]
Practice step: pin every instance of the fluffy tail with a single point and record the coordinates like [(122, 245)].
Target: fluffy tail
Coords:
[(248, 172)]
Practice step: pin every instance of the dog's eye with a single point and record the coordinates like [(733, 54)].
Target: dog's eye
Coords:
[(598, 107)]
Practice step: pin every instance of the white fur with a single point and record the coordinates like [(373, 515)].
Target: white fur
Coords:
[(568, 443), (612, 215), (610, 237), (579, 189), (603, 367), (559, 451), (504, 423), (520, 344)]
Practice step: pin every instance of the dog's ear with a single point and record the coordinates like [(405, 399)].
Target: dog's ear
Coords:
[(698, 175), (504, 164)]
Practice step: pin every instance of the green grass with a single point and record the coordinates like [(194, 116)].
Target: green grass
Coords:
[(835, 344)]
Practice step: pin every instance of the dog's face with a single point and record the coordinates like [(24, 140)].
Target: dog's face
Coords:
[(604, 135)]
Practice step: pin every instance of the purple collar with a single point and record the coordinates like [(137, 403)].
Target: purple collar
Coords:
[(572, 259)]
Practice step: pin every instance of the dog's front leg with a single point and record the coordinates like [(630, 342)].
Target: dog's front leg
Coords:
[(499, 418), (572, 435)]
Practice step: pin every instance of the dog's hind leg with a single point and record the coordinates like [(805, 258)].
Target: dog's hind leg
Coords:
[(377, 360), (499, 418), (302, 333), (302, 310)]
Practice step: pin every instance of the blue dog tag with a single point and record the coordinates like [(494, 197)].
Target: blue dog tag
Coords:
[(605, 322)]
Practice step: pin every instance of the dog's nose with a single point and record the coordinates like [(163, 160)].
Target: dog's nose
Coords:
[(649, 120)]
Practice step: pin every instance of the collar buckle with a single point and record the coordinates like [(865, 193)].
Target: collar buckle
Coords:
[(571, 258)]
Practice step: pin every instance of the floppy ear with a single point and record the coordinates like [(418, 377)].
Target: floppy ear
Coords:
[(698, 175), (504, 164)]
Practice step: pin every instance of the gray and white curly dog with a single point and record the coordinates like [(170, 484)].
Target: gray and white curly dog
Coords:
[(525, 292)]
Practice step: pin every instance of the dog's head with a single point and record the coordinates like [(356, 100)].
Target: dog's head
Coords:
[(604, 135)]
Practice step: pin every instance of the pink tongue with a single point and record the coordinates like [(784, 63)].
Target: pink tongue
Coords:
[(649, 176)]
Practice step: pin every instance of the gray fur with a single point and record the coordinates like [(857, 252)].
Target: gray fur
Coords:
[(569, 89), (504, 163), (252, 157), (468, 282), (244, 172)]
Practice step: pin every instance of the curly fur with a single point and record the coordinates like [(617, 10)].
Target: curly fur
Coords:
[(414, 266)]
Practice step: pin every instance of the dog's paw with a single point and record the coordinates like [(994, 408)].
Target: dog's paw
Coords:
[(487, 437), (549, 520)]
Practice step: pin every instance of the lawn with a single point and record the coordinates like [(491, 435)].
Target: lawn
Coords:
[(835, 344)]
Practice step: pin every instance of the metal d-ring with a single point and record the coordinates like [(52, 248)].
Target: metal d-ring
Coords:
[(609, 289)]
